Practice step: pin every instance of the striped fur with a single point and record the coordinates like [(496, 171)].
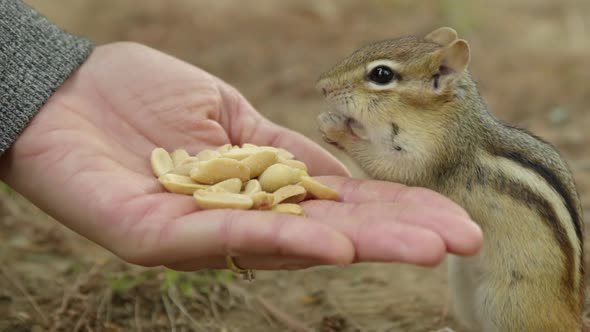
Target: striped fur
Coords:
[(432, 129)]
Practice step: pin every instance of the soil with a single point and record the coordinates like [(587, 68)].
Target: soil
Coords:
[(530, 58)]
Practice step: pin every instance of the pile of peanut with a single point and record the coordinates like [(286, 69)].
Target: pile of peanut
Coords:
[(246, 177)]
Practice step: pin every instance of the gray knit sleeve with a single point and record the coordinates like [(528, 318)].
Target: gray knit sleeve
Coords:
[(36, 57)]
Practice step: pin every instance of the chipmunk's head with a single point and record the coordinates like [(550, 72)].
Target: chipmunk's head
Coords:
[(398, 94)]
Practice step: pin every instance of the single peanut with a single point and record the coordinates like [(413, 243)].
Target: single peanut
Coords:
[(222, 200), (208, 155), (293, 163), (185, 166), (178, 156), (252, 187), (285, 154), (259, 162), (242, 153), (224, 148), (262, 200), (318, 190), (217, 170), (179, 184), (161, 162), (289, 208), (290, 194), (233, 185), (277, 176)]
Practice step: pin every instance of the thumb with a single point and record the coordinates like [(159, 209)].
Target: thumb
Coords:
[(245, 125)]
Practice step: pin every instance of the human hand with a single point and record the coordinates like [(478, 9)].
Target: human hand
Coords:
[(84, 159)]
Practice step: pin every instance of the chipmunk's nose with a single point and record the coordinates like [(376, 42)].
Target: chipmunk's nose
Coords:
[(323, 86)]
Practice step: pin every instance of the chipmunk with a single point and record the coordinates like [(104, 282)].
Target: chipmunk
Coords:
[(407, 110)]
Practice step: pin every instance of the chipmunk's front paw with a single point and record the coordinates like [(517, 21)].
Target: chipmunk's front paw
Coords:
[(334, 128)]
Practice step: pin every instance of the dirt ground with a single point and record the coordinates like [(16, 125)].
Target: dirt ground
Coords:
[(530, 58)]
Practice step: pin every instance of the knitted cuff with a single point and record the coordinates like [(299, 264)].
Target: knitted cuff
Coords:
[(36, 57)]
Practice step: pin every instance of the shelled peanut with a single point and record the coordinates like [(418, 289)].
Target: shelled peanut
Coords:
[(246, 177)]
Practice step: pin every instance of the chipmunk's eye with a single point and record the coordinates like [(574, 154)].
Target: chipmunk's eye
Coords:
[(435, 79), (382, 75)]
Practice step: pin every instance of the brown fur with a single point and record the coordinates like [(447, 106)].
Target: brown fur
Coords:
[(432, 129)]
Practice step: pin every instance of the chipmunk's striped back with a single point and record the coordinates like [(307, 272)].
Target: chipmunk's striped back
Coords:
[(529, 152), (522, 194)]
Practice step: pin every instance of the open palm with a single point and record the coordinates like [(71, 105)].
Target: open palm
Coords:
[(84, 159)]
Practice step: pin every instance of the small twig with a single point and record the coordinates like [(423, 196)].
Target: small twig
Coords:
[(82, 318), (27, 295), (73, 289), (173, 295), (136, 314), (169, 313), (109, 308), (69, 294), (214, 304), (290, 322), (357, 326), (106, 296), (155, 315), (247, 304), (213, 307), (201, 299), (282, 316)]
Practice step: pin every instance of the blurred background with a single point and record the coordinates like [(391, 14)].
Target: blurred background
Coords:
[(531, 61)]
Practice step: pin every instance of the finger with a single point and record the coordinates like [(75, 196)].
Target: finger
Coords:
[(319, 161), (260, 233), (255, 262), (459, 234), (245, 125), (236, 232), (358, 191), (377, 241)]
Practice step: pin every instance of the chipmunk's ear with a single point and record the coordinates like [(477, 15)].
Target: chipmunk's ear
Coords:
[(442, 36), (454, 58)]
